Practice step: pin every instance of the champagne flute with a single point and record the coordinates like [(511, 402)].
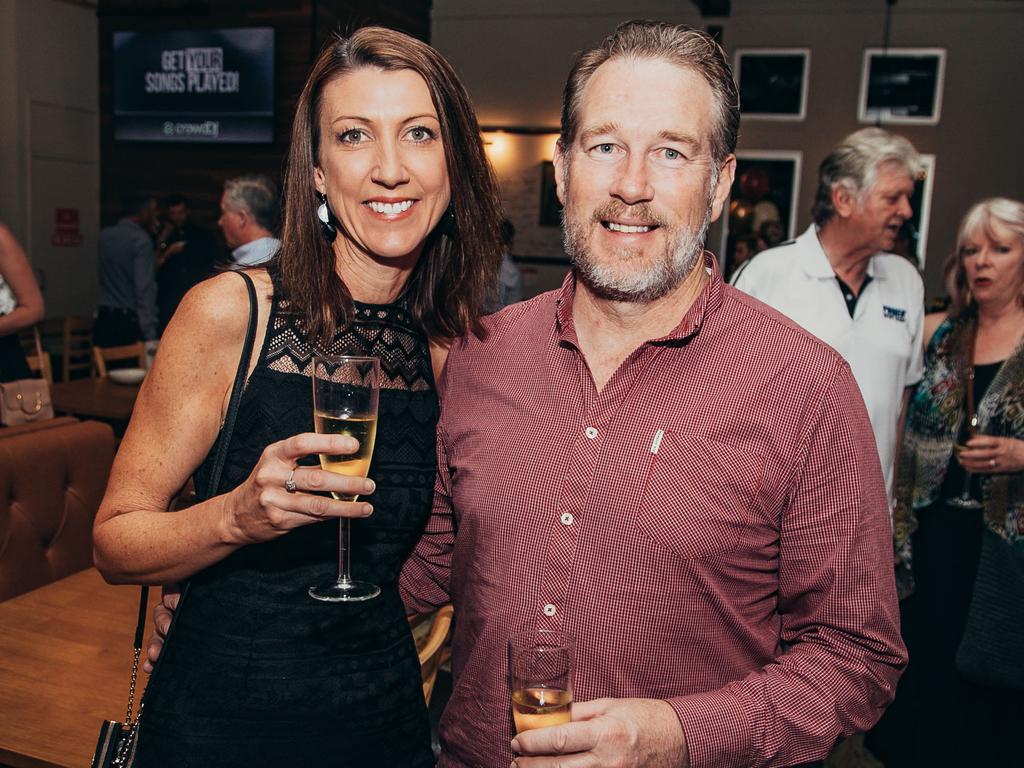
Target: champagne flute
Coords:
[(540, 675), (346, 392), (965, 500)]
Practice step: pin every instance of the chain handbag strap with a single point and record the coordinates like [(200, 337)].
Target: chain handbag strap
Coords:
[(126, 747)]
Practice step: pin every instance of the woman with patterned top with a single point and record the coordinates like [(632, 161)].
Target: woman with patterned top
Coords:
[(389, 247), (939, 717)]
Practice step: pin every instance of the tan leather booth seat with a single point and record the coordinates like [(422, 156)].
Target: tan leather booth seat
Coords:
[(52, 478)]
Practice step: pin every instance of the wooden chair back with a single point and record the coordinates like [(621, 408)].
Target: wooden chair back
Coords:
[(77, 346), (102, 355), (434, 647), (40, 365)]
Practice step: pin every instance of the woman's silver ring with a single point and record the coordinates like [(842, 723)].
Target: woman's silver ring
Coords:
[(289, 484), (992, 463)]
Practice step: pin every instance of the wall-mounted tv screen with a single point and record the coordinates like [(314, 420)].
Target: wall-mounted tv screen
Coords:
[(198, 85)]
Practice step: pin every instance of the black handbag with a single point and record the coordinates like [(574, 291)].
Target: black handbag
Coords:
[(990, 650), (117, 742)]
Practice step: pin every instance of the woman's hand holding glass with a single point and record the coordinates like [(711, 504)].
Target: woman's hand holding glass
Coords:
[(989, 454), (263, 507)]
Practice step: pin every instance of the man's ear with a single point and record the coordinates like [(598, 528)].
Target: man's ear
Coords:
[(561, 163), (726, 174), (844, 200), (319, 181)]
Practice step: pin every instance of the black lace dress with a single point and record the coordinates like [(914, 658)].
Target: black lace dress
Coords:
[(257, 673)]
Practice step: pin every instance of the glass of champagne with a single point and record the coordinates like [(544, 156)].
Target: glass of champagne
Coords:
[(346, 392), (966, 500), (540, 675)]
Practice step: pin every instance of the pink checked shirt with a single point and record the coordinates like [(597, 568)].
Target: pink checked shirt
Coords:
[(711, 527)]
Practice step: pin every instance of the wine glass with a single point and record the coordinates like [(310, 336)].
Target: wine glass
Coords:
[(965, 500), (540, 676), (346, 391)]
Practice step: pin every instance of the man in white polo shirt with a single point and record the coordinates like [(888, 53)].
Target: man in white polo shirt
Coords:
[(838, 281)]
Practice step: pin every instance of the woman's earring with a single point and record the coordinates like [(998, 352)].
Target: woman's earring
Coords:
[(448, 226), (323, 213)]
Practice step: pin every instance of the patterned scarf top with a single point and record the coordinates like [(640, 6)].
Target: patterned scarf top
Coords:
[(934, 420)]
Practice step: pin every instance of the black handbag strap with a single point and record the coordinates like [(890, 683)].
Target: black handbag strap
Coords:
[(221, 452)]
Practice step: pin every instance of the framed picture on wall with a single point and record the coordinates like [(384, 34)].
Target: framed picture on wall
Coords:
[(912, 240), (902, 86), (773, 82), (550, 206), (762, 206)]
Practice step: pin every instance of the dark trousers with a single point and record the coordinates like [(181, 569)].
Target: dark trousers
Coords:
[(116, 327)]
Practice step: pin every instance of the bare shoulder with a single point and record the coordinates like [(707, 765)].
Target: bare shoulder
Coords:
[(219, 306), (10, 250), (932, 321)]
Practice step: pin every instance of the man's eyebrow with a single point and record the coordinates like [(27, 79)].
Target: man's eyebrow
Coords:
[(598, 130), (681, 138)]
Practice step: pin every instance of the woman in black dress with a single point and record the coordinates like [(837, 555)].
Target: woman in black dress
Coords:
[(21, 306), (385, 147)]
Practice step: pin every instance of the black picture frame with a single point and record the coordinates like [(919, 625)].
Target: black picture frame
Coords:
[(773, 82), (902, 86)]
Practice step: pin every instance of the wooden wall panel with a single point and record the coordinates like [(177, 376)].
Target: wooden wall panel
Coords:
[(199, 170)]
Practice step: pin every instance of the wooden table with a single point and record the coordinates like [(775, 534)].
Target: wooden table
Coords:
[(96, 398), (65, 664)]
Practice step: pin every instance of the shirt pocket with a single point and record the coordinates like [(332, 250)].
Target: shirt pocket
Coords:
[(699, 496)]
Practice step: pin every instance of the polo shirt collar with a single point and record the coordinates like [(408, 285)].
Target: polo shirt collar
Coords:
[(707, 301), (815, 262)]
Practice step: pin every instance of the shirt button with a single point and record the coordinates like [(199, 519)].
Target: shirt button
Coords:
[(590, 432), (550, 610), (566, 518)]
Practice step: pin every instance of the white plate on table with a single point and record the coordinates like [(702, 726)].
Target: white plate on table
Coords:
[(127, 375)]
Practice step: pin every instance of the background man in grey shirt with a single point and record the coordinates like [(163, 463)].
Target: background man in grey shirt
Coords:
[(127, 275)]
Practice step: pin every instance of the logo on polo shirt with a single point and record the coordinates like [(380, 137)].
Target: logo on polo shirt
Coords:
[(892, 313)]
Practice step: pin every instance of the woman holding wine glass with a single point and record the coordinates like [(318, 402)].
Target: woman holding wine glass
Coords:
[(389, 247), (961, 471)]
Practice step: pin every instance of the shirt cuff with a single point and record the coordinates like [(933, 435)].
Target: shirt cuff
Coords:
[(716, 728)]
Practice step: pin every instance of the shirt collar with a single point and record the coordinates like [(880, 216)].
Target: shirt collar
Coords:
[(255, 251), (707, 301), (814, 260)]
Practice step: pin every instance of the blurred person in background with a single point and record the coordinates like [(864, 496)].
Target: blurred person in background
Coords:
[(126, 266), (250, 209), (940, 717), (389, 248), (21, 306), (185, 256), (745, 247), (510, 279)]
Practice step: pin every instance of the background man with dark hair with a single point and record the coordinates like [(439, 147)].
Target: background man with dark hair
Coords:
[(185, 256), (126, 266)]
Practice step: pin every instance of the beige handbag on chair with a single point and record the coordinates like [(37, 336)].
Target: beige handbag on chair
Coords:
[(25, 400)]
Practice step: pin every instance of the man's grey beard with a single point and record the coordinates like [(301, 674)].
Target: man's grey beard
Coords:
[(681, 255)]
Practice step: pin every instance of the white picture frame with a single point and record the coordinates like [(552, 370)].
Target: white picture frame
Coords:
[(772, 82), (902, 86), (923, 207)]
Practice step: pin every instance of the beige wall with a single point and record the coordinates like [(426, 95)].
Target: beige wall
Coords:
[(49, 141), (514, 57)]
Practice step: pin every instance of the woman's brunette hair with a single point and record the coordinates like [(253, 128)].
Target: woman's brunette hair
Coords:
[(457, 271)]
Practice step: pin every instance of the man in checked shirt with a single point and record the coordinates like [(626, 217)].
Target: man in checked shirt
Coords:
[(665, 468)]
